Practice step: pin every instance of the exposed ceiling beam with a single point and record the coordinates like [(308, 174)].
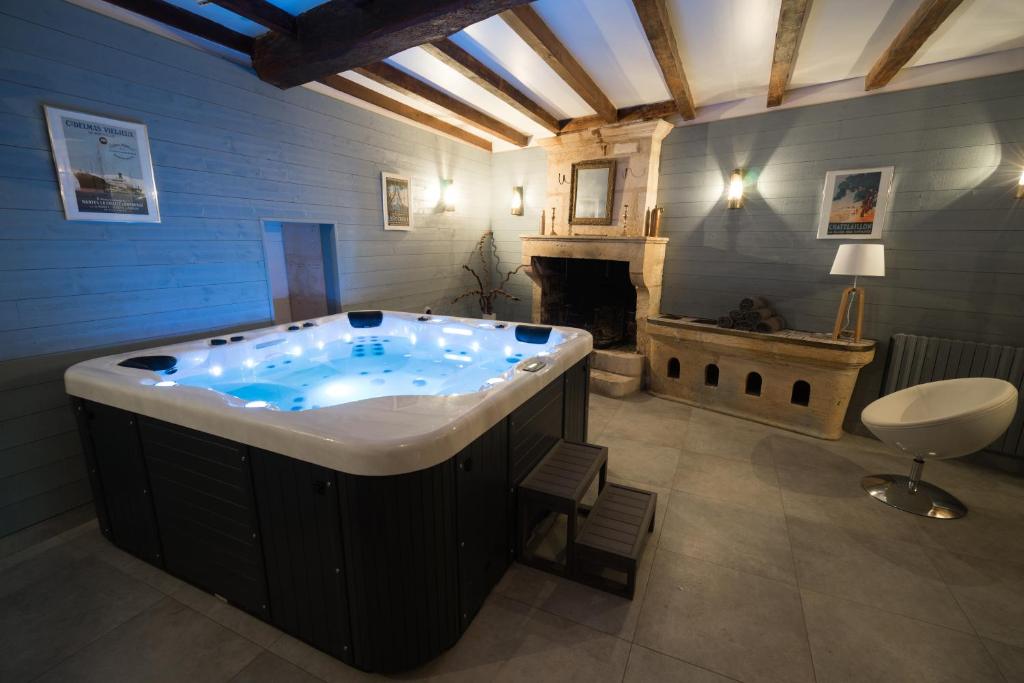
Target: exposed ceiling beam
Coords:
[(532, 29), (792, 19), (921, 25), (472, 68), (655, 20), (373, 97), (344, 34), (395, 78), (639, 112), (175, 17), (270, 17)]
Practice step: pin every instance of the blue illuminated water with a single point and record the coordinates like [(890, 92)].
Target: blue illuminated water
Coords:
[(316, 374)]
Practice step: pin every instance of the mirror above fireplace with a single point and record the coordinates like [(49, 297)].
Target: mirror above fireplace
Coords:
[(592, 192)]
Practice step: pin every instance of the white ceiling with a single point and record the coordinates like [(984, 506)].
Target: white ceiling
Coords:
[(725, 45), (606, 37), (497, 46), (839, 43)]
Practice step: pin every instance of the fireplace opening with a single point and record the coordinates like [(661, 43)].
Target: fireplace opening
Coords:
[(596, 295)]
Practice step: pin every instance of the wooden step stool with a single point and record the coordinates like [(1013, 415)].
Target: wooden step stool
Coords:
[(558, 483), (614, 536)]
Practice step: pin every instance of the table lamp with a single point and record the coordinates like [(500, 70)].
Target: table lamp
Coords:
[(855, 260)]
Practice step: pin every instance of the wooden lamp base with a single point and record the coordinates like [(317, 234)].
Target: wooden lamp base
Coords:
[(850, 294)]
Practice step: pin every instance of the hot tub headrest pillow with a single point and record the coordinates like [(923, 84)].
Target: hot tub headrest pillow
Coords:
[(532, 334), (365, 318), (152, 363)]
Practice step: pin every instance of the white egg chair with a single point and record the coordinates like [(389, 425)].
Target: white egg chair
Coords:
[(936, 421)]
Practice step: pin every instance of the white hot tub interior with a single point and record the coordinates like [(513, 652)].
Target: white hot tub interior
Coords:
[(335, 362)]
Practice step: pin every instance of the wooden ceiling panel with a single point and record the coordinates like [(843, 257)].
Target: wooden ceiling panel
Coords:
[(399, 80), (640, 112), (792, 20), (500, 70), (453, 56), (525, 21), (269, 16), (359, 91), (921, 25), (658, 27), (183, 20), (342, 35)]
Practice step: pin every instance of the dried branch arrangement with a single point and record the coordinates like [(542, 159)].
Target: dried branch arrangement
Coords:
[(486, 293)]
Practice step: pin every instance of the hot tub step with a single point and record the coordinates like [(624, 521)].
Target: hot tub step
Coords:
[(613, 537), (612, 384), (558, 484), (626, 363)]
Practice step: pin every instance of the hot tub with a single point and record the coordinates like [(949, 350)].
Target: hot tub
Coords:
[(350, 479), (363, 393)]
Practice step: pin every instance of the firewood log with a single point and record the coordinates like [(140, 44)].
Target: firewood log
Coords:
[(753, 303), (758, 314), (773, 324)]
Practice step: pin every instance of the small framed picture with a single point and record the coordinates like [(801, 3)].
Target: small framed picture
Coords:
[(396, 194), (854, 204), (104, 168)]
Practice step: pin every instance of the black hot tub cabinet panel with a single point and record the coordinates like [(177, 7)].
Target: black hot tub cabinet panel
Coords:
[(117, 472), (401, 543), (384, 573), (300, 520), (202, 491), (485, 545), (534, 428), (577, 401)]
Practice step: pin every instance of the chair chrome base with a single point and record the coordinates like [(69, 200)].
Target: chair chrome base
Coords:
[(918, 497)]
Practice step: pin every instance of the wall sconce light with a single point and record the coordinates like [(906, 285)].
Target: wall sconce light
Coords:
[(735, 192), (517, 200), (448, 194), (1020, 186)]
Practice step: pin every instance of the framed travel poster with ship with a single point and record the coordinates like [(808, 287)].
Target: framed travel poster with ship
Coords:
[(854, 204), (104, 168), (397, 197)]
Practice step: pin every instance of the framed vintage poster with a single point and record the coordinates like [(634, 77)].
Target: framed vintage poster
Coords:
[(854, 204), (397, 197), (104, 168)]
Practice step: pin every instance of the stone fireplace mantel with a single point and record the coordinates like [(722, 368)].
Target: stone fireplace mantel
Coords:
[(645, 256), (636, 149)]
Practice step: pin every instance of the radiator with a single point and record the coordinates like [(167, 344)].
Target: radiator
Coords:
[(916, 360)]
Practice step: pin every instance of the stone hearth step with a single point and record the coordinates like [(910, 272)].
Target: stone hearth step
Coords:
[(626, 363), (612, 384)]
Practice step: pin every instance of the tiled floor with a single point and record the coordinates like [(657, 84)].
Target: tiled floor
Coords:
[(768, 563)]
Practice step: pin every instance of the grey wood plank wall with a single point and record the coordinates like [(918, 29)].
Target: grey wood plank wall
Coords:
[(955, 232), (228, 151), (528, 168), (954, 238)]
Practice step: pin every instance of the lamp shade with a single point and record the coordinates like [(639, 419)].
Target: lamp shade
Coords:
[(859, 259)]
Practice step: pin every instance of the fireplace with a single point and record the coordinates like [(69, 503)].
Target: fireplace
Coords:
[(594, 294), (604, 278), (606, 284)]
